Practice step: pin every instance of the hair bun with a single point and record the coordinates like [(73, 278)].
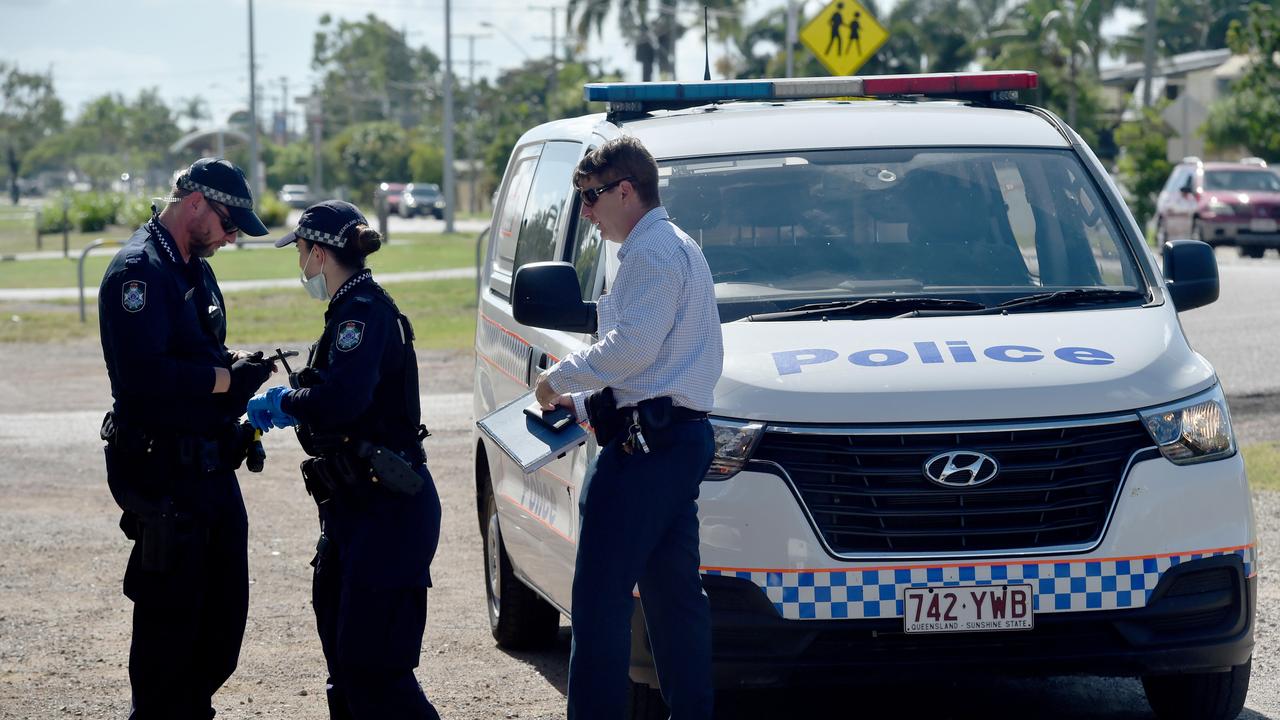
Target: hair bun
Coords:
[(368, 240)]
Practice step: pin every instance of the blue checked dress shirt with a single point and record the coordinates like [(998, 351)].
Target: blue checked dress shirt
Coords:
[(658, 325)]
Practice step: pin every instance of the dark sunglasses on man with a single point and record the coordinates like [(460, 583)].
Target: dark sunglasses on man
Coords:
[(591, 195), (228, 225)]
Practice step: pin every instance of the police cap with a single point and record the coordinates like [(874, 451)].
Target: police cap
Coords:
[(222, 182), (326, 222)]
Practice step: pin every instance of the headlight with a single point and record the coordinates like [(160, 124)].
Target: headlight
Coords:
[(735, 440), (1194, 430), (1221, 208), (439, 203)]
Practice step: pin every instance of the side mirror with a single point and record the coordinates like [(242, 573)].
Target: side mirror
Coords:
[(1188, 188), (547, 295), (1191, 273)]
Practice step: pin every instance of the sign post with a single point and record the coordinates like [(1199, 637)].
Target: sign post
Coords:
[(844, 36)]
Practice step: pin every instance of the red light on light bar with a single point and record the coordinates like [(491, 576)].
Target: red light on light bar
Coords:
[(947, 83), (996, 81)]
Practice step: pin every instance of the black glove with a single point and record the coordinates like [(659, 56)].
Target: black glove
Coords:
[(247, 375)]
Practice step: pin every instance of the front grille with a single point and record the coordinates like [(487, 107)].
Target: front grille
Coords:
[(868, 493)]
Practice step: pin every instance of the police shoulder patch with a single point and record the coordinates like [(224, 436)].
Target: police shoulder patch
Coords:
[(350, 333), (134, 295)]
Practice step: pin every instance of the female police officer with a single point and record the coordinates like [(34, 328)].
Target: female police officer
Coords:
[(357, 411)]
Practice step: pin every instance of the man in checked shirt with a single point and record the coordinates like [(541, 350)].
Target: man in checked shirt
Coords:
[(660, 353)]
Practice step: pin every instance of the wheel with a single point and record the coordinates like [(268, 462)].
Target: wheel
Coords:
[(645, 703), (1199, 696), (437, 214), (1252, 251), (518, 618)]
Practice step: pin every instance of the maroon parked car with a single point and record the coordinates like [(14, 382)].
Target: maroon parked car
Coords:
[(1221, 203)]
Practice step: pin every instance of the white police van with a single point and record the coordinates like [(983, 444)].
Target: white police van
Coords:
[(959, 425)]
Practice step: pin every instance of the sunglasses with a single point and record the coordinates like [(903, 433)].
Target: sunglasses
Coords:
[(591, 195), (228, 225)]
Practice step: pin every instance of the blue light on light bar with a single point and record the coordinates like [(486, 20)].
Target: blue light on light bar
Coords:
[(674, 91)]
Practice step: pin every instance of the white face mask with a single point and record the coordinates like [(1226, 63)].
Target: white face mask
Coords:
[(315, 285)]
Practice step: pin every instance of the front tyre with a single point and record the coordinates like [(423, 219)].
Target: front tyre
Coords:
[(1199, 696), (518, 618)]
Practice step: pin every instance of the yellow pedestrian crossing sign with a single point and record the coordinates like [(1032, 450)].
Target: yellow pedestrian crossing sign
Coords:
[(843, 36)]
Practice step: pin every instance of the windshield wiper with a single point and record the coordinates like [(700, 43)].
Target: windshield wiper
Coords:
[(1057, 298), (869, 308)]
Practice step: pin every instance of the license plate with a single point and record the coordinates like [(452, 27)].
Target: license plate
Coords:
[(1262, 225), (967, 608)]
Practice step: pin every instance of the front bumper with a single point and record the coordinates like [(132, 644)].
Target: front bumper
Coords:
[(1232, 230), (1198, 618)]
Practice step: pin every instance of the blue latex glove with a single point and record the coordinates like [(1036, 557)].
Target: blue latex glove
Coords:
[(265, 412)]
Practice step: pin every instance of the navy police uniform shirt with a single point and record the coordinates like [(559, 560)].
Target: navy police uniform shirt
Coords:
[(366, 369), (164, 327), (366, 387)]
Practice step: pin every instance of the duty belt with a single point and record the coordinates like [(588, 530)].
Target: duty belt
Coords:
[(191, 451)]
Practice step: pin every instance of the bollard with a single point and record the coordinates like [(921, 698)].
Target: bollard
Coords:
[(66, 227)]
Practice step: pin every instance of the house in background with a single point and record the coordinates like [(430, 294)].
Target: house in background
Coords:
[(1192, 82)]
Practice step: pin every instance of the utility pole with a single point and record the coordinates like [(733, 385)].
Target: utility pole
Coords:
[(1148, 53), (473, 200), (315, 119), (551, 80), (255, 175), (450, 192), (791, 38), (284, 109)]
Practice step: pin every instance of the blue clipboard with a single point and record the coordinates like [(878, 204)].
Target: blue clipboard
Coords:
[(528, 442)]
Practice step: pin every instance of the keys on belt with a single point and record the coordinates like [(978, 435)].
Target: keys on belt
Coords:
[(635, 436)]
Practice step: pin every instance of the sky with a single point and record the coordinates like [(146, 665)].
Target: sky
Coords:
[(202, 48)]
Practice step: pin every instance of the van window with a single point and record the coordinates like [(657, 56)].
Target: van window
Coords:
[(513, 201), (989, 225), (585, 254), (552, 186)]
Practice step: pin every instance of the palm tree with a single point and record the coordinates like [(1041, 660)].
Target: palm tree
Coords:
[(1061, 38), (652, 29)]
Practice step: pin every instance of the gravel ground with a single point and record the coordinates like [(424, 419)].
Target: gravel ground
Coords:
[(64, 624)]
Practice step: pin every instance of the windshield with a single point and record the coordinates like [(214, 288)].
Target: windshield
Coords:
[(784, 230), (1263, 180), (425, 191)]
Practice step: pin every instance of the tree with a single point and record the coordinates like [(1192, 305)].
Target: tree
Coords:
[(1249, 116), (29, 111), (111, 135), (369, 153), (371, 74), (1184, 26), (1062, 40), (194, 109), (1143, 164), (653, 32)]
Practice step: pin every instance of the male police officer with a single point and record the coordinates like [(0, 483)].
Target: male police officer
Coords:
[(173, 442), (659, 355)]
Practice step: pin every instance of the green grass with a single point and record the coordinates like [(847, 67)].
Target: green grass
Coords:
[(406, 252), (1262, 462), (443, 314)]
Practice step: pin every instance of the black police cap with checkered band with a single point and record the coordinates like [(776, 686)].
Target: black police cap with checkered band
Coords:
[(327, 222), (222, 182)]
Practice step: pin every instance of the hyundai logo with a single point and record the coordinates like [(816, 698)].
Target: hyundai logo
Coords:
[(961, 469)]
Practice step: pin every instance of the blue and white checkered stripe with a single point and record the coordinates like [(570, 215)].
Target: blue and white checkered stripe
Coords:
[(1061, 586)]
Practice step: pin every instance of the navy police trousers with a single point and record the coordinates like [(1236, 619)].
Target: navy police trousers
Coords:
[(370, 597), (188, 621), (639, 517)]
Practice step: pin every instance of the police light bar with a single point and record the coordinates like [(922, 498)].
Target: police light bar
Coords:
[(640, 97)]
